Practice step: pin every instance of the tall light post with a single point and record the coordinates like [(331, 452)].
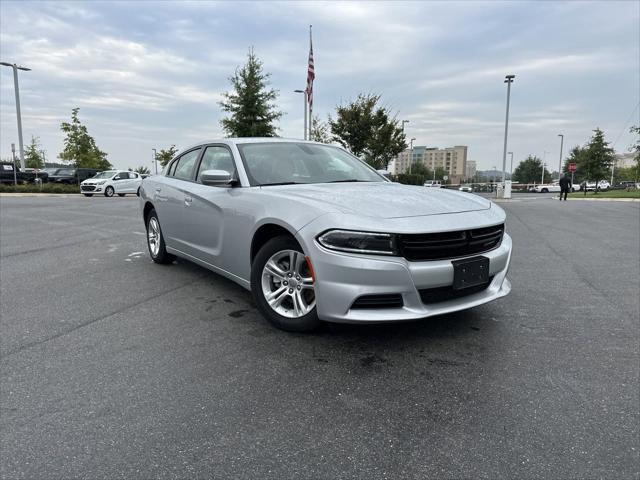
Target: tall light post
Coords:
[(411, 155), (542, 178), (511, 168), (508, 80), (15, 84), (305, 111), (403, 122), (155, 159), (560, 164), (13, 155)]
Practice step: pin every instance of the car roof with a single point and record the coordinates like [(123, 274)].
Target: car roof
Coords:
[(244, 140)]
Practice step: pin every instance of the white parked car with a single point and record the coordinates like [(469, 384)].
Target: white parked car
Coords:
[(466, 188), (433, 183), (602, 185), (546, 188), (111, 182)]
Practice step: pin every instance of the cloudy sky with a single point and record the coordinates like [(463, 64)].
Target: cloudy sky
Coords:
[(150, 74)]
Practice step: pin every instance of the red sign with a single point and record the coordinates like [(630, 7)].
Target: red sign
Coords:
[(573, 167)]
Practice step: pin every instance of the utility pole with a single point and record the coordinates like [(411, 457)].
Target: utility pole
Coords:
[(511, 169), (17, 91), (543, 166), (411, 155), (15, 167), (561, 145)]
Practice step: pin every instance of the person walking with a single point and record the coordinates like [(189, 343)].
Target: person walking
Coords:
[(565, 186)]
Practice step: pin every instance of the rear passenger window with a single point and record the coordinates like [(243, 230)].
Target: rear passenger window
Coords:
[(184, 165), (217, 158)]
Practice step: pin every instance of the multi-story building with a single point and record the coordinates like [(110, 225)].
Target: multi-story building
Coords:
[(625, 160), (452, 160)]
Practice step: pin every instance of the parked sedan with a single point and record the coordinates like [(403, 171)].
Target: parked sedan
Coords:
[(316, 234), (111, 182), (466, 188)]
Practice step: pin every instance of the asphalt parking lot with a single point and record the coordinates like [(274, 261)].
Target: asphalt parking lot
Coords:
[(114, 367)]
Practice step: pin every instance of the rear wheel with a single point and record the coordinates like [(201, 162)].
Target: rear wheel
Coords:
[(88, 194), (155, 240), (544, 190), (109, 191), (282, 283)]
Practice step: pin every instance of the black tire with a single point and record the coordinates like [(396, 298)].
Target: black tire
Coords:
[(88, 194), (121, 194), (306, 323), (161, 256), (544, 190), (109, 191)]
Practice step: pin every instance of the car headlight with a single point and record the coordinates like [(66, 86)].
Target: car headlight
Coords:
[(101, 182), (359, 242)]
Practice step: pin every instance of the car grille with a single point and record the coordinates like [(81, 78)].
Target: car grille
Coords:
[(438, 246), (87, 188), (392, 300), (442, 294)]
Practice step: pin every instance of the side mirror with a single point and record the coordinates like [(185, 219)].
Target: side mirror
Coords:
[(215, 177)]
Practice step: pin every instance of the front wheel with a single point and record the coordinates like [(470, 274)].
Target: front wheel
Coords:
[(155, 240), (109, 191), (544, 190), (282, 283)]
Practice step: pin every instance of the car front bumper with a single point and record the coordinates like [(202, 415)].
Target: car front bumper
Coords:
[(341, 278)]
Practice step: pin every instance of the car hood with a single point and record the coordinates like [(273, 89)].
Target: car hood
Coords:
[(382, 200)]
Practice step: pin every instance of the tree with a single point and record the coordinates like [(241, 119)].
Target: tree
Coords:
[(576, 155), (319, 130), (142, 170), (530, 171), (598, 157), (80, 147), (636, 148), (368, 131), (33, 155), (165, 156), (251, 104)]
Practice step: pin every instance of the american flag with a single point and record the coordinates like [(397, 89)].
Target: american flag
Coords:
[(311, 75)]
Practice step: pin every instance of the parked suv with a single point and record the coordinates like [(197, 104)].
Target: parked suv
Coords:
[(111, 182), (28, 176), (72, 176)]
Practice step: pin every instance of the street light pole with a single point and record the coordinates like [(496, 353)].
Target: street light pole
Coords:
[(561, 145), (511, 169), (411, 155), (17, 91), (542, 181), (155, 159), (13, 155), (403, 122), (508, 80), (305, 112)]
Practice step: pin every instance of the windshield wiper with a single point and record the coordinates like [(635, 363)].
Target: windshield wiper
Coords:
[(347, 180), (279, 183)]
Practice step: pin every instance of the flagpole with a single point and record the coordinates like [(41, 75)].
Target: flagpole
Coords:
[(310, 104)]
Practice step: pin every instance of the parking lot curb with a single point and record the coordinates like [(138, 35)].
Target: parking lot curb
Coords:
[(13, 194), (603, 199)]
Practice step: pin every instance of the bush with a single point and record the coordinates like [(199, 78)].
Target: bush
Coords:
[(44, 188)]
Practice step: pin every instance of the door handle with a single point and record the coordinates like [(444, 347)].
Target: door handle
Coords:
[(187, 201), (158, 190)]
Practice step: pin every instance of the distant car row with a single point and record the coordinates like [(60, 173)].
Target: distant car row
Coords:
[(69, 176), (584, 186)]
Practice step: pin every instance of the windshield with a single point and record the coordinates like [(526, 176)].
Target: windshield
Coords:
[(285, 163), (66, 171), (107, 174), (50, 171)]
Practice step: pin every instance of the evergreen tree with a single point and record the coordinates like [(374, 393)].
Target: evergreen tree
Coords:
[(80, 147), (368, 131), (598, 158), (33, 155), (142, 170), (251, 104)]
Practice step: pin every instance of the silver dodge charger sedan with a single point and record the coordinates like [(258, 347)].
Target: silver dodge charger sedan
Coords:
[(316, 234)]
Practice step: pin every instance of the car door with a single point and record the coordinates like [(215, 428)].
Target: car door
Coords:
[(169, 198), (135, 180), (206, 208), (120, 182)]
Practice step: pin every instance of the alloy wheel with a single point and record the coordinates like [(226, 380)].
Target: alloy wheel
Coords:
[(153, 236), (287, 284)]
